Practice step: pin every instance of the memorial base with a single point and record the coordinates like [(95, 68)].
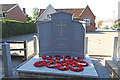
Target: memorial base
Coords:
[(27, 70)]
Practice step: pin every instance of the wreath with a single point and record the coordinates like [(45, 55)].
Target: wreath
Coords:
[(58, 57), (40, 63), (57, 61), (78, 69), (44, 57), (85, 63), (47, 58), (67, 57), (63, 67), (73, 64), (51, 65), (80, 59)]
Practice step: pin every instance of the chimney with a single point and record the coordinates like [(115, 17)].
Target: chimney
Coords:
[(24, 11)]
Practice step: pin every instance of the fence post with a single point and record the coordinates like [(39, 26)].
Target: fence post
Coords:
[(35, 44), (114, 52), (6, 58), (25, 51), (86, 45)]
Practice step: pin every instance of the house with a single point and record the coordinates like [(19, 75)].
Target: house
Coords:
[(84, 14), (12, 12)]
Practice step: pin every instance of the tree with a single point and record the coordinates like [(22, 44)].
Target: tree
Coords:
[(35, 13), (28, 18)]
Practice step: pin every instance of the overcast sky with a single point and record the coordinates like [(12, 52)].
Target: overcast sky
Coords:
[(103, 9)]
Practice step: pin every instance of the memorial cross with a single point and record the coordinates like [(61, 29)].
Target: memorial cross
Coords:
[(61, 26)]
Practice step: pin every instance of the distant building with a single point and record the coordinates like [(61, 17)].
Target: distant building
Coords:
[(12, 12), (84, 14), (99, 23), (105, 23)]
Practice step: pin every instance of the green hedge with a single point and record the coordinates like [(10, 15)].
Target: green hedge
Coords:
[(117, 24), (14, 28)]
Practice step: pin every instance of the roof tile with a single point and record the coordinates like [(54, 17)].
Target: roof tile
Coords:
[(6, 7), (76, 12)]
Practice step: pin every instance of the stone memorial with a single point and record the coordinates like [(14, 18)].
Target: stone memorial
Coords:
[(60, 36)]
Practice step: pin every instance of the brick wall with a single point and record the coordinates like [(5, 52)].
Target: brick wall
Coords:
[(88, 13), (15, 14)]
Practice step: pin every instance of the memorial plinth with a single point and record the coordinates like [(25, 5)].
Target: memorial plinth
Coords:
[(29, 71)]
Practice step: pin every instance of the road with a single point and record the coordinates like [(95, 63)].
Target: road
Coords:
[(100, 42)]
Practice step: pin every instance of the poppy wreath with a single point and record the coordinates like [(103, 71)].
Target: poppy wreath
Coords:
[(80, 59), (40, 63), (67, 63), (44, 57), (63, 67), (67, 57), (85, 63), (78, 69), (57, 61), (58, 57), (74, 59), (51, 65), (73, 63), (47, 58), (52, 60)]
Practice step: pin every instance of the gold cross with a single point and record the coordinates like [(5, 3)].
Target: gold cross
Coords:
[(61, 26)]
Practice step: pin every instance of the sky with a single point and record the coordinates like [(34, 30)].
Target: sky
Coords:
[(102, 9)]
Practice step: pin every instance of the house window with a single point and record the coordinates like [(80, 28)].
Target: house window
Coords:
[(87, 20), (48, 16), (3, 14)]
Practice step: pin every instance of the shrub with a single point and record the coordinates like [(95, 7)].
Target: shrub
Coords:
[(31, 21), (14, 28), (117, 24)]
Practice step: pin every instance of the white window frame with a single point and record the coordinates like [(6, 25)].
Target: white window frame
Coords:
[(87, 20)]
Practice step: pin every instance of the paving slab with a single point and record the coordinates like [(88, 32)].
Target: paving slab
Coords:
[(113, 68), (99, 63)]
